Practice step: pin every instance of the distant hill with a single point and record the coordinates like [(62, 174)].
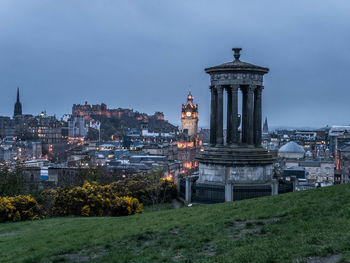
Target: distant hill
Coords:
[(119, 126), (307, 226)]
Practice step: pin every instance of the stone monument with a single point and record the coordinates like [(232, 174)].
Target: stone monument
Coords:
[(240, 160)]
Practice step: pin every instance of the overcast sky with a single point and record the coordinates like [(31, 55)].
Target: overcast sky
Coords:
[(147, 55)]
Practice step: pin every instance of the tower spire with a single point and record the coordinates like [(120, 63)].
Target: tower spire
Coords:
[(189, 98), (18, 106), (266, 127), (17, 94)]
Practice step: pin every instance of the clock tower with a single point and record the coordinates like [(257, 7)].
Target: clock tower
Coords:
[(189, 117)]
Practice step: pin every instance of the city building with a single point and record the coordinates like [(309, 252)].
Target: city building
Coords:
[(77, 127), (7, 127), (169, 150), (189, 117), (343, 165), (318, 169), (45, 128), (189, 142)]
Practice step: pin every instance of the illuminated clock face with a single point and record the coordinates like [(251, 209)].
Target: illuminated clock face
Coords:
[(188, 114)]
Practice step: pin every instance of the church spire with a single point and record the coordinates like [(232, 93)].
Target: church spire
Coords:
[(18, 95), (265, 127), (18, 106)]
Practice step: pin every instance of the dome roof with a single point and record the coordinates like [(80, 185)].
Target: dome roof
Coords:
[(291, 147)]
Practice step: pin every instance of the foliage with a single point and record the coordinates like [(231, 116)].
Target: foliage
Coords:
[(149, 188), (92, 134), (93, 199), (19, 208), (102, 175), (45, 200), (12, 180), (120, 125), (93, 175)]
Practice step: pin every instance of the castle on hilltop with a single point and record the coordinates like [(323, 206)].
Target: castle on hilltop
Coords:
[(87, 111)]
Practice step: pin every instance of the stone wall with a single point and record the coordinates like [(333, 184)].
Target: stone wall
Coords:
[(235, 174)]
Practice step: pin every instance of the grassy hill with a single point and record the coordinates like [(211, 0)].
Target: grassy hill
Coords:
[(294, 227)]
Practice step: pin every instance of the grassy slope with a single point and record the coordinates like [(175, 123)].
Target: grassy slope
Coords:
[(314, 222)]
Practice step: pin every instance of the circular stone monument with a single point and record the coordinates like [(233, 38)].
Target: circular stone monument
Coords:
[(240, 160)]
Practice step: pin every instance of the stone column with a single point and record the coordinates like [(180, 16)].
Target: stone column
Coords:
[(229, 126), (213, 115), (244, 115), (219, 116), (250, 115), (228, 192), (188, 195), (234, 114), (274, 187), (257, 116), (294, 181)]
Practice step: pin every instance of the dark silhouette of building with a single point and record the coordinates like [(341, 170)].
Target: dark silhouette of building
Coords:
[(265, 127), (18, 106)]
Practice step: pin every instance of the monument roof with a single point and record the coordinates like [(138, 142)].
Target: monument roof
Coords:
[(291, 147), (237, 65)]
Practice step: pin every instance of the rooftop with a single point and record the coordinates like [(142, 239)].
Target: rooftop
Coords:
[(237, 65), (291, 147)]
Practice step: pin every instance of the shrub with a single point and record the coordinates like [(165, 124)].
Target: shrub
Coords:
[(12, 180), (19, 208), (94, 200), (45, 201), (148, 189)]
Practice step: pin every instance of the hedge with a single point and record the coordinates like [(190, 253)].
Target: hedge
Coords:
[(93, 199), (19, 208)]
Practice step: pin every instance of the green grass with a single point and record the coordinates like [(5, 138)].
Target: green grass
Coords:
[(286, 228), (153, 208)]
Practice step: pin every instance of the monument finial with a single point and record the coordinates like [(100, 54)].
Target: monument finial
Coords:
[(237, 51)]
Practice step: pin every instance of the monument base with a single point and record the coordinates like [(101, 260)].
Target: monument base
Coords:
[(230, 173), (235, 165)]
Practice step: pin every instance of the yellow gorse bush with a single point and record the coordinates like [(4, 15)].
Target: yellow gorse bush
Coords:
[(19, 208), (93, 199)]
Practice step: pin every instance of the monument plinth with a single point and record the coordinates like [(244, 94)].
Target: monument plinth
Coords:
[(240, 159)]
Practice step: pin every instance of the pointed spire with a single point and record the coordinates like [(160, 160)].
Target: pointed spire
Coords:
[(18, 94), (18, 106), (265, 127)]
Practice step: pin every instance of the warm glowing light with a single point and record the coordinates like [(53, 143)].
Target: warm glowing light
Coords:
[(170, 177), (184, 145)]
